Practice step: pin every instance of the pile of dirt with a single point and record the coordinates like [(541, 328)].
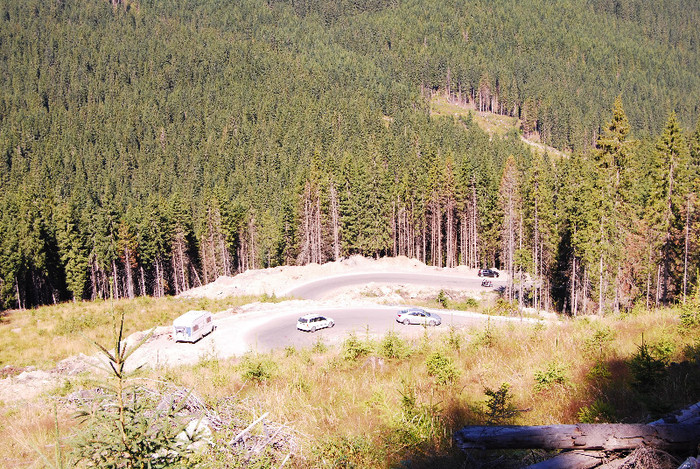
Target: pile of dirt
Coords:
[(278, 281)]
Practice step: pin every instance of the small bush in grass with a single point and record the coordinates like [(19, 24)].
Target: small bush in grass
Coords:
[(354, 348), (442, 368), (599, 372), (648, 368), (257, 369), (465, 305), (664, 348), (346, 452), (393, 346), (442, 299), (319, 346), (500, 409), (598, 412), (417, 423), (454, 339), (599, 343), (505, 308), (554, 373), (692, 352), (690, 320), (485, 338)]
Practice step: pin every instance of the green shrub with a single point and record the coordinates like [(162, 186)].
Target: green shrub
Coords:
[(354, 348), (486, 338), (598, 412), (599, 342), (692, 352), (442, 299), (258, 369), (393, 346), (554, 373), (346, 452), (648, 368), (319, 346), (417, 423), (465, 305), (442, 368), (505, 308), (500, 409), (599, 372), (454, 339)]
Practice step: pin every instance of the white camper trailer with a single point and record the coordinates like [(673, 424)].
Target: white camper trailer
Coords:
[(192, 326)]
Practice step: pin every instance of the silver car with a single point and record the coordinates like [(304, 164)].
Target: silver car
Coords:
[(417, 316), (313, 322)]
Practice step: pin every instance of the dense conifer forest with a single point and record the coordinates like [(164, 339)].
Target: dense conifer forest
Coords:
[(150, 146)]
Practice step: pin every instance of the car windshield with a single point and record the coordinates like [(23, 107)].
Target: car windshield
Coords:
[(302, 320)]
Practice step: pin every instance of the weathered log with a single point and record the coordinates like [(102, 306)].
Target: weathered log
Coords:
[(609, 437), (572, 460)]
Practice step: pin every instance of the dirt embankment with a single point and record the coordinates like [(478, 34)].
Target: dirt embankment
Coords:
[(278, 281)]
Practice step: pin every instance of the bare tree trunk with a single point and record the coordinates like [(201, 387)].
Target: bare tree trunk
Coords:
[(658, 285), (649, 277), (205, 266), (20, 306), (115, 279), (600, 287), (129, 274), (685, 254), (574, 305), (252, 241), (143, 282)]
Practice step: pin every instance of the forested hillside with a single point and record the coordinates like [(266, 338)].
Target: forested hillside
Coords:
[(150, 146)]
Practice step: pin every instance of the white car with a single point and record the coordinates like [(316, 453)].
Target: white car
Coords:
[(313, 322), (417, 316)]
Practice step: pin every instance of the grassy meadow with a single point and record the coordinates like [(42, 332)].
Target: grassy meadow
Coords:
[(380, 402), (43, 336)]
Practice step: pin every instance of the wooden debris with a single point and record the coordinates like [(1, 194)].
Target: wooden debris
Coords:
[(248, 428)]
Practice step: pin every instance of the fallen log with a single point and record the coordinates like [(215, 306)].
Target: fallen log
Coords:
[(608, 437), (572, 460), (587, 459)]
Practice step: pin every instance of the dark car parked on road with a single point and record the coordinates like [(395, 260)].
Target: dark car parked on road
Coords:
[(487, 273)]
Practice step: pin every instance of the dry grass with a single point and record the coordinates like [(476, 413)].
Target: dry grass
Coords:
[(378, 412), (29, 436)]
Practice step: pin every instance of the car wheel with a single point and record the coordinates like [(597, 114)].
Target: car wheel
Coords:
[(406, 322), (313, 328), (432, 323)]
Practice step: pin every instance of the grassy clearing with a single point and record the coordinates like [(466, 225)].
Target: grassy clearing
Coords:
[(378, 403), (492, 124), (43, 336)]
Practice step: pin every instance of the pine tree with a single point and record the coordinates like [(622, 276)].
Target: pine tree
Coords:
[(612, 156), (668, 199), (510, 202), (73, 250)]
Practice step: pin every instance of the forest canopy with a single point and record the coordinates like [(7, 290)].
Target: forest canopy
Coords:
[(150, 146)]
